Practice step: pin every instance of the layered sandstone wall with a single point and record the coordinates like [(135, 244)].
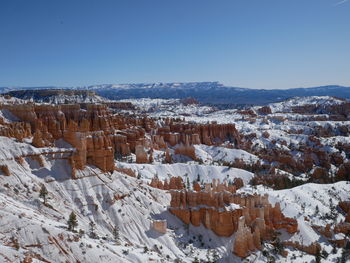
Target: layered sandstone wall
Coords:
[(175, 183), (193, 133), (251, 217), (90, 128), (18, 130)]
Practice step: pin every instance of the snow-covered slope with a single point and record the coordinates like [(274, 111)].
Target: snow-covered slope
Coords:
[(30, 228), (269, 143), (286, 106)]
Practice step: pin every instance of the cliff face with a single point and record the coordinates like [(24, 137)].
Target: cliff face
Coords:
[(91, 129), (18, 130), (251, 217), (193, 133), (99, 136), (175, 183)]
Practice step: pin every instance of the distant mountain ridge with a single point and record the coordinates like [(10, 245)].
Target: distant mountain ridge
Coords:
[(205, 92)]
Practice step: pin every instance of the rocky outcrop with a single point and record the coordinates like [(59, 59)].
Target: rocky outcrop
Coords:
[(246, 241), (193, 133), (5, 169), (127, 171), (141, 155), (18, 130), (345, 206), (168, 158), (220, 211), (99, 136), (90, 128), (251, 217), (186, 150), (175, 183), (158, 142), (159, 226), (312, 249), (120, 144), (265, 110)]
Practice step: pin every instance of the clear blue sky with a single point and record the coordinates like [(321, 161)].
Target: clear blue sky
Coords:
[(246, 43)]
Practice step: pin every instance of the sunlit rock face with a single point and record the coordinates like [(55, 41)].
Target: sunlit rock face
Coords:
[(90, 128), (159, 226), (251, 217), (192, 133), (99, 136)]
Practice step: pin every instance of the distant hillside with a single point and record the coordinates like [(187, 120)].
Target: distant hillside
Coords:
[(57, 96), (205, 92)]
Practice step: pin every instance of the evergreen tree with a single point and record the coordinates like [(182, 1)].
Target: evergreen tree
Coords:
[(317, 211), (345, 256), (188, 183), (92, 227), (118, 156), (116, 235), (43, 193), (72, 221)]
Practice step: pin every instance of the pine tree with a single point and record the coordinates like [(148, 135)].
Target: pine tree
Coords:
[(116, 235), (188, 183), (317, 210), (72, 221), (92, 227), (43, 193)]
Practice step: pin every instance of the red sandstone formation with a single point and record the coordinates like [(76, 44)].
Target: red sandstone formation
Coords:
[(156, 183), (159, 226), (158, 142), (120, 105), (141, 155), (326, 231), (207, 208), (343, 227), (193, 133), (175, 183), (99, 136), (345, 206), (265, 134), (250, 216), (196, 187), (189, 101), (18, 130), (246, 241), (214, 187), (238, 183), (126, 171), (344, 172), (5, 170), (90, 128), (312, 249), (186, 150), (264, 110)]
